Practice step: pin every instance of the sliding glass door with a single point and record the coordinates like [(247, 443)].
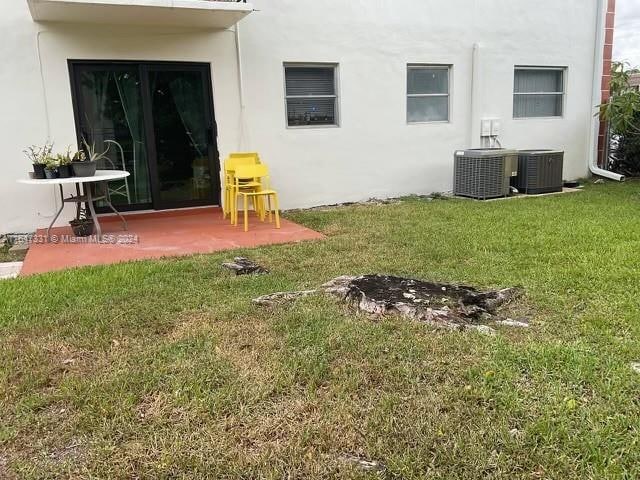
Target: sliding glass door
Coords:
[(154, 120), (183, 135), (109, 116)]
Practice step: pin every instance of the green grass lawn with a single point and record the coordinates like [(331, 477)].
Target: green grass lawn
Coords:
[(164, 369)]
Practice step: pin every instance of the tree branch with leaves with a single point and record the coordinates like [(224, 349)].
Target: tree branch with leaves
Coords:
[(623, 109), (622, 113)]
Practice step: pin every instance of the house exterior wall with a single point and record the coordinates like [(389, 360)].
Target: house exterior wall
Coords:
[(374, 152), (26, 121)]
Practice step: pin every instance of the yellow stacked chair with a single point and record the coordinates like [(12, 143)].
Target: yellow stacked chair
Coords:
[(230, 164), (254, 155), (254, 173)]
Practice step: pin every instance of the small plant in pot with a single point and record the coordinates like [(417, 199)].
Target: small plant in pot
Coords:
[(51, 168), (39, 155), (82, 225), (64, 161), (85, 162)]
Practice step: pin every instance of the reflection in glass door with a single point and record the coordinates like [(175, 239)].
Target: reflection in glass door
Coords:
[(182, 133), (155, 121), (109, 114)]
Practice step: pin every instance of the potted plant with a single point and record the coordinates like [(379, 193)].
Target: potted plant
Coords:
[(85, 162), (82, 225), (38, 157), (64, 161), (51, 168)]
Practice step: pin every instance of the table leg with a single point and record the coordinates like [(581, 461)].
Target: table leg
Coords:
[(107, 199), (57, 214), (87, 190), (78, 204)]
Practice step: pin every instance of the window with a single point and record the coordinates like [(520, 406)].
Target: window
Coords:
[(538, 92), (311, 95), (427, 93)]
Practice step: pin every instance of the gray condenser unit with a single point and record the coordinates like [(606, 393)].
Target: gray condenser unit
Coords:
[(484, 173), (539, 171)]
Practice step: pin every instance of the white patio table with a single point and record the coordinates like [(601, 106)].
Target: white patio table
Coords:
[(87, 196)]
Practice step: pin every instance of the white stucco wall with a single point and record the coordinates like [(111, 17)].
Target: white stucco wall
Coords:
[(24, 120), (373, 153)]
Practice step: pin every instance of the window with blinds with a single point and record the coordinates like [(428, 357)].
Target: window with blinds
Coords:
[(311, 94), (428, 93), (538, 92)]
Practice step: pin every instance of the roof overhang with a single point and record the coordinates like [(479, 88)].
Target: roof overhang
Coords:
[(176, 13)]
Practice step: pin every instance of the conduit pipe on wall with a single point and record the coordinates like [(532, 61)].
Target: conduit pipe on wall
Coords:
[(598, 67), (240, 87), (239, 60), (44, 86), (474, 128), (47, 118)]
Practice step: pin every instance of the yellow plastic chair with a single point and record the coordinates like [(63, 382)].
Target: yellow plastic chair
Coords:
[(230, 164), (253, 155), (250, 173)]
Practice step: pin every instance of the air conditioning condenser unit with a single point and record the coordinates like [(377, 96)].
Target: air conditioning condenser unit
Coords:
[(484, 173), (539, 171)]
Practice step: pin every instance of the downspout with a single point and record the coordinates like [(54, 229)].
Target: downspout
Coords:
[(596, 99), (474, 127)]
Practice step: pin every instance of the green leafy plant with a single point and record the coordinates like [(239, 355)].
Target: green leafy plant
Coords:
[(622, 109), (624, 156), (52, 163), (65, 158), (79, 156), (39, 155), (622, 113), (62, 159), (91, 154)]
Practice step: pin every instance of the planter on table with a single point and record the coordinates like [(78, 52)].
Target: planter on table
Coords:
[(38, 171), (84, 169), (64, 171)]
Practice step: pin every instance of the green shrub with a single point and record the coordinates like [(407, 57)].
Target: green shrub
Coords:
[(625, 153)]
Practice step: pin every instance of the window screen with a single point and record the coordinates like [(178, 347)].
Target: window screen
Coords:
[(538, 92), (427, 93), (311, 95)]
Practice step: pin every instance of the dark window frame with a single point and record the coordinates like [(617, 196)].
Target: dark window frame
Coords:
[(143, 66)]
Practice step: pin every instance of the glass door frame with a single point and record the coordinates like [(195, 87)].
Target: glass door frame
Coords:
[(144, 68)]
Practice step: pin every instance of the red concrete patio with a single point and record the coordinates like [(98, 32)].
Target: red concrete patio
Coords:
[(156, 235)]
